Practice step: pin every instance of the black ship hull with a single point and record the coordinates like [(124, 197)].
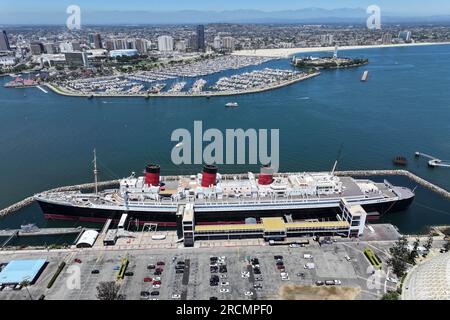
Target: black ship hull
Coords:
[(168, 219)]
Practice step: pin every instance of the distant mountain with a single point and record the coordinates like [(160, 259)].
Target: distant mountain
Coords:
[(307, 15)]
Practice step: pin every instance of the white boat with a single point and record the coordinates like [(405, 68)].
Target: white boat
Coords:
[(365, 76), (232, 105)]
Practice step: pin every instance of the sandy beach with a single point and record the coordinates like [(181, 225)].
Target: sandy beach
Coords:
[(285, 53)]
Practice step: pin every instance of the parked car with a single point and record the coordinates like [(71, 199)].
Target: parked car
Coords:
[(160, 263), (77, 260), (95, 271), (145, 293), (179, 271), (147, 279), (176, 296), (129, 274), (319, 283), (278, 257), (393, 280), (151, 267), (348, 258), (224, 290), (248, 293), (213, 298), (155, 293)]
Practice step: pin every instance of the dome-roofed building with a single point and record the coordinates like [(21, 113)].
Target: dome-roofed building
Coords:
[(429, 280)]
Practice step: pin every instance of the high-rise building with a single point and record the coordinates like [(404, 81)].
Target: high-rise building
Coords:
[(76, 46), (121, 44), (180, 45), (201, 38), (405, 36), (193, 42), (91, 38), (165, 44), (4, 42), (37, 48), (217, 44), (66, 47), (142, 45), (77, 59), (110, 45), (98, 41), (326, 39), (50, 48), (228, 43), (386, 38)]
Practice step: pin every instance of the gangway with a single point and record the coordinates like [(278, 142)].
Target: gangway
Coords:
[(434, 162)]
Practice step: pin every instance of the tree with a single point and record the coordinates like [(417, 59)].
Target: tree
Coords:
[(108, 291), (393, 295), (447, 245), (429, 243), (414, 253), (400, 257)]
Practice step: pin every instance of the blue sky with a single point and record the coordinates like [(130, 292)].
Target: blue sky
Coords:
[(410, 7)]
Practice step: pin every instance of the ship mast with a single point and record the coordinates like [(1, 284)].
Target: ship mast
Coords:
[(95, 172)]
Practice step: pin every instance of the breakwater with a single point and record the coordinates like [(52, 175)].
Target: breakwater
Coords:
[(81, 187)]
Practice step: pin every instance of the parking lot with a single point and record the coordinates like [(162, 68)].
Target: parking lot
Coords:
[(236, 273)]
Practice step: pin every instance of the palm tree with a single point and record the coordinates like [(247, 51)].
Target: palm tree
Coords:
[(25, 284)]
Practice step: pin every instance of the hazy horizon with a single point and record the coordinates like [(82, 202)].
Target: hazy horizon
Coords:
[(45, 12)]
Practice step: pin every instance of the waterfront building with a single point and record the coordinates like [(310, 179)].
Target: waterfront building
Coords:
[(386, 38), (124, 52), (405, 36), (327, 39), (37, 48), (7, 61), (77, 59), (4, 42), (201, 38), (165, 44)]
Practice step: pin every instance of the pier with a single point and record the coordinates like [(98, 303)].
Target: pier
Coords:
[(434, 162)]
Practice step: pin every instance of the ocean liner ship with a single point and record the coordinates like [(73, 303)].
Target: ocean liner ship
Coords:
[(227, 198)]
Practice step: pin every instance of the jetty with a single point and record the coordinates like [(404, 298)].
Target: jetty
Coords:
[(81, 187)]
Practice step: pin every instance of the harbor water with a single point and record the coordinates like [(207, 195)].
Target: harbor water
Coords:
[(47, 140)]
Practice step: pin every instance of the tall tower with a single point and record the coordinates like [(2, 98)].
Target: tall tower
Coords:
[(201, 37)]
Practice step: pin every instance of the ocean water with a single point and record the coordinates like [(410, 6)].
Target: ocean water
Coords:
[(46, 140)]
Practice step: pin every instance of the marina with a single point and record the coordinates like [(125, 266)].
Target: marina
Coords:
[(434, 162)]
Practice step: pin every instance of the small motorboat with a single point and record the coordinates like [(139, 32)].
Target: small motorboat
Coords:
[(232, 105)]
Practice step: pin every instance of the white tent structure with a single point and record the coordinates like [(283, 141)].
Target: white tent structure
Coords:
[(87, 239)]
